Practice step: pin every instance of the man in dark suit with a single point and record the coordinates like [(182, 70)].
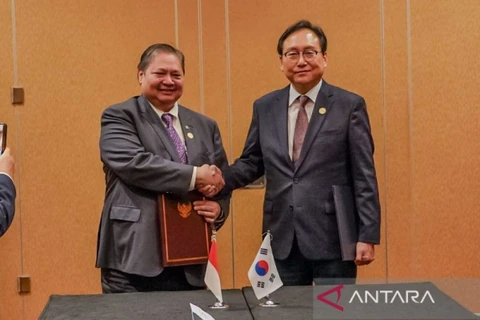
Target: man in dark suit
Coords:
[(7, 191), (306, 138), (152, 145)]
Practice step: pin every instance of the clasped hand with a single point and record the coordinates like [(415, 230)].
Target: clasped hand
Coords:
[(209, 180)]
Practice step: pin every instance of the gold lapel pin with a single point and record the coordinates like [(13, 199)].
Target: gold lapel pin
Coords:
[(322, 110), (190, 135)]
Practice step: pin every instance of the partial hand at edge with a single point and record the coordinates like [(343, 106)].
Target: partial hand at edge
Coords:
[(7, 163)]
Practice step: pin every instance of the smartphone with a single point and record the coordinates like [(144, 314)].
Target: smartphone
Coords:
[(3, 136)]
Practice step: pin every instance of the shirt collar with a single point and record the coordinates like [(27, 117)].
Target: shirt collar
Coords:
[(173, 111), (312, 94)]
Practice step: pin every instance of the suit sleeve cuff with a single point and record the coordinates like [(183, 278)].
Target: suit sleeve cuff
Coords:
[(4, 173), (221, 216)]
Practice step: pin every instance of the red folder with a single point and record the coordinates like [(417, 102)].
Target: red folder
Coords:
[(185, 236)]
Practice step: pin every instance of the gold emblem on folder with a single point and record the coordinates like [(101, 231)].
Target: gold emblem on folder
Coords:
[(184, 209), (322, 110)]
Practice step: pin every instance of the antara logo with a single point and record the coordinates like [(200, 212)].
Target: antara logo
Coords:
[(376, 296), (391, 296)]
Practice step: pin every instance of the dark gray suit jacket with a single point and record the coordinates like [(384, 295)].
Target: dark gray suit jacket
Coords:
[(7, 202), (140, 162), (337, 150)]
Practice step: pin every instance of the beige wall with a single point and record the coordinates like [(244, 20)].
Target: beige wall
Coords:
[(415, 62)]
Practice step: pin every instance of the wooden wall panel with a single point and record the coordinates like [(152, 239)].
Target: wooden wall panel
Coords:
[(75, 59), (215, 101), (446, 165), (445, 162), (398, 215), (11, 303), (247, 228), (189, 42)]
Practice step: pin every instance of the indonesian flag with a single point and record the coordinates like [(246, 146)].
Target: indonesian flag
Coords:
[(263, 274), (212, 279)]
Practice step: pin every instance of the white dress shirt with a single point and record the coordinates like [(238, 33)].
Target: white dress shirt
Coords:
[(294, 106)]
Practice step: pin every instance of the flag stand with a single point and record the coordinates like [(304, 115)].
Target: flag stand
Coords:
[(263, 274), (269, 303), (219, 305)]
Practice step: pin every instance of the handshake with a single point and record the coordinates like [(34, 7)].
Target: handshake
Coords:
[(209, 180)]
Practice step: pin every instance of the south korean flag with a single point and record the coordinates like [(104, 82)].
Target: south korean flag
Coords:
[(263, 274)]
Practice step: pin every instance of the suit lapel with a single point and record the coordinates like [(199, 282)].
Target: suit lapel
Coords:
[(280, 112), (152, 117), (323, 101), (191, 136)]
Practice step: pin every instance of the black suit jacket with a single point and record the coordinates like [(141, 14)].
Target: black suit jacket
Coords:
[(7, 202), (337, 150), (140, 162)]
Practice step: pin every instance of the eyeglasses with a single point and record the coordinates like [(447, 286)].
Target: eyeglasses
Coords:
[(294, 56)]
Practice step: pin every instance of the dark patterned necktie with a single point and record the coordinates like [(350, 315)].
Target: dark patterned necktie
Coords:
[(179, 146), (301, 126)]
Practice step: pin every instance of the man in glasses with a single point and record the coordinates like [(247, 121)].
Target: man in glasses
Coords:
[(307, 138)]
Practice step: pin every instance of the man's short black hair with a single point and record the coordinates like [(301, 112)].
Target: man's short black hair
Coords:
[(152, 51), (303, 24)]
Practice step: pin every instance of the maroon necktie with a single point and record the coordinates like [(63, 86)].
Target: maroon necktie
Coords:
[(301, 126), (179, 146)]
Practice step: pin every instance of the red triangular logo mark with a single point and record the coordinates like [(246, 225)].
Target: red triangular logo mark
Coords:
[(338, 290)]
